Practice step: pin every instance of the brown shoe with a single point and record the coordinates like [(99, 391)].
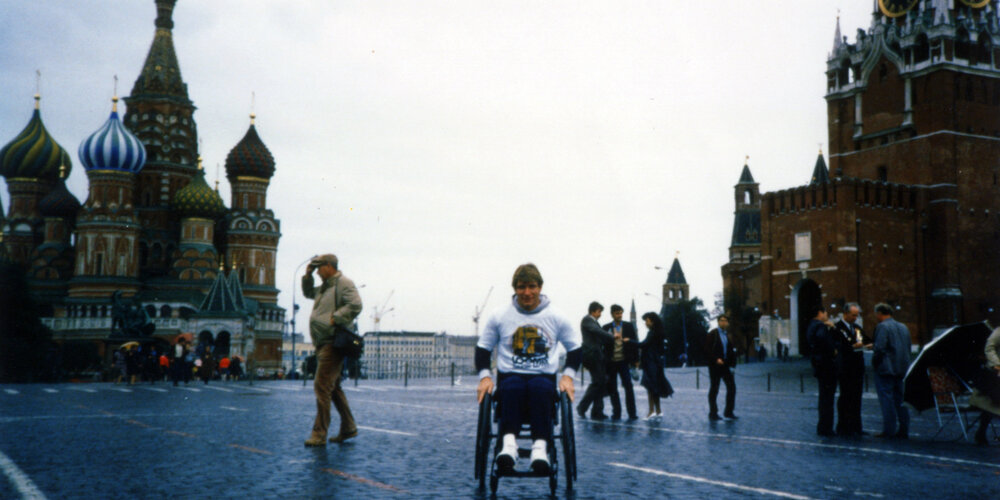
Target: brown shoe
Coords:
[(315, 441), (344, 436)]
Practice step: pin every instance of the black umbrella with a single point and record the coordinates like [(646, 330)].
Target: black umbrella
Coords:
[(959, 349)]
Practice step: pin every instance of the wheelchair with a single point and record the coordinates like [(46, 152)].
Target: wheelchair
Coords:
[(487, 436)]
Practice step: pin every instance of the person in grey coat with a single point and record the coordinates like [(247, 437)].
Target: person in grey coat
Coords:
[(594, 340), (890, 360)]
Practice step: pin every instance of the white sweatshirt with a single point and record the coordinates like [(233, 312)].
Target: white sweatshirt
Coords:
[(527, 340)]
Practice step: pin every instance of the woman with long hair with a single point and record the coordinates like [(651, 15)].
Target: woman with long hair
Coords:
[(651, 358)]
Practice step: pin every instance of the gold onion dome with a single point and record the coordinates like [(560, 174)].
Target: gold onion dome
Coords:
[(33, 154), (250, 157), (197, 199)]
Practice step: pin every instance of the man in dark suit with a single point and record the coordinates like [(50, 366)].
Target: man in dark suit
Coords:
[(594, 341), (721, 352), (622, 353), (851, 371), (823, 346)]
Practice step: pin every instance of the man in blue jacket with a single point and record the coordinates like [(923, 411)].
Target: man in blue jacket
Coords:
[(890, 361)]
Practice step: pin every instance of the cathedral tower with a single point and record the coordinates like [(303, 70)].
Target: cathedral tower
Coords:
[(30, 163), (200, 208), (107, 227), (162, 116), (252, 232), (51, 263)]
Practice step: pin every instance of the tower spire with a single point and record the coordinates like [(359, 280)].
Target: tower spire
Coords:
[(253, 104), (38, 87), (114, 98), (838, 40)]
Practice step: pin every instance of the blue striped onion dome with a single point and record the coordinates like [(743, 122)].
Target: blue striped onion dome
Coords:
[(59, 203), (250, 157), (33, 153), (113, 147), (198, 200)]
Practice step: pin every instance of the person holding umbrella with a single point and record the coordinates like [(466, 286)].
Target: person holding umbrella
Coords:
[(987, 395)]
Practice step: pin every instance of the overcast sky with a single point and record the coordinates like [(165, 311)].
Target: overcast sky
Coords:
[(434, 146)]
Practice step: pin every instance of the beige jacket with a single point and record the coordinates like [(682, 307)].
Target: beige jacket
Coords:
[(335, 303), (993, 349)]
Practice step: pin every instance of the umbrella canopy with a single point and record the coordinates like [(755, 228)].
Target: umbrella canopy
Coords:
[(130, 345), (959, 349), (187, 336)]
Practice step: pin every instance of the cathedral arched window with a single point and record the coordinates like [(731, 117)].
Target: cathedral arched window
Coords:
[(151, 310), (166, 311)]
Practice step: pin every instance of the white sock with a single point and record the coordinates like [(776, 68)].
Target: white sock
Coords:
[(510, 441)]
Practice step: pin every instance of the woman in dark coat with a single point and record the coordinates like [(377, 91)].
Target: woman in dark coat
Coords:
[(651, 357)]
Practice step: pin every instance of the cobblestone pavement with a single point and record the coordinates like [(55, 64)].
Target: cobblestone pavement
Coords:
[(235, 440)]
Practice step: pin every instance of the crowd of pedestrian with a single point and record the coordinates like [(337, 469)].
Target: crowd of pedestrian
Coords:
[(135, 363), (613, 353)]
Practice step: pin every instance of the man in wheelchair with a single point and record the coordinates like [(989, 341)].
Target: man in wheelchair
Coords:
[(526, 332)]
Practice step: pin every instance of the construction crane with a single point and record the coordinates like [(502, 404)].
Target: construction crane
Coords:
[(382, 311), (480, 309)]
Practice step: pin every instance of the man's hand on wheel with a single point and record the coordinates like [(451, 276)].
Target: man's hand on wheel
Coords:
[(566, 385), (485, 385)]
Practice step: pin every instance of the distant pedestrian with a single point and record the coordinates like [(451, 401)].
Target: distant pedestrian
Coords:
[(823, 346), (178, 364), (851, 371), (890, 361), (335, 305), (224, 364), (623, 353), (120, 367), (721, 352), (594, 341), (651, 354), (207, 369), (164, 366), (133, 364), (235, 368)]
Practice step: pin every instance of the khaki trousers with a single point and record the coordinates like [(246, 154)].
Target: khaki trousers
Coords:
[(329, 364)]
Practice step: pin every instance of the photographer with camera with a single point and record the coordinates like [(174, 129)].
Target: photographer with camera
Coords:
[(335, 305)]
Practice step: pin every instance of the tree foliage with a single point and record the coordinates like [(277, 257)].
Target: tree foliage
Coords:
[(688, 320)]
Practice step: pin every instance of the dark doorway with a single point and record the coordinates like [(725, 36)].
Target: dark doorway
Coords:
[(205, 341), (805, 298), (222, 345)]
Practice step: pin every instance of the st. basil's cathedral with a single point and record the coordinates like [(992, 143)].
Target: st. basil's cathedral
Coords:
[(151, 233)]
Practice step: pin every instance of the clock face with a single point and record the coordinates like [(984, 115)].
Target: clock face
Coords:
[(976, 3), (896, 8)]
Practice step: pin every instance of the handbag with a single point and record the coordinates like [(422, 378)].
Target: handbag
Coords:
[(348, 342)]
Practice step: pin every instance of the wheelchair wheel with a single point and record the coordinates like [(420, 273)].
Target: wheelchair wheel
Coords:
[(553, 483), (494, 482), (484, 432), (568, 439)]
